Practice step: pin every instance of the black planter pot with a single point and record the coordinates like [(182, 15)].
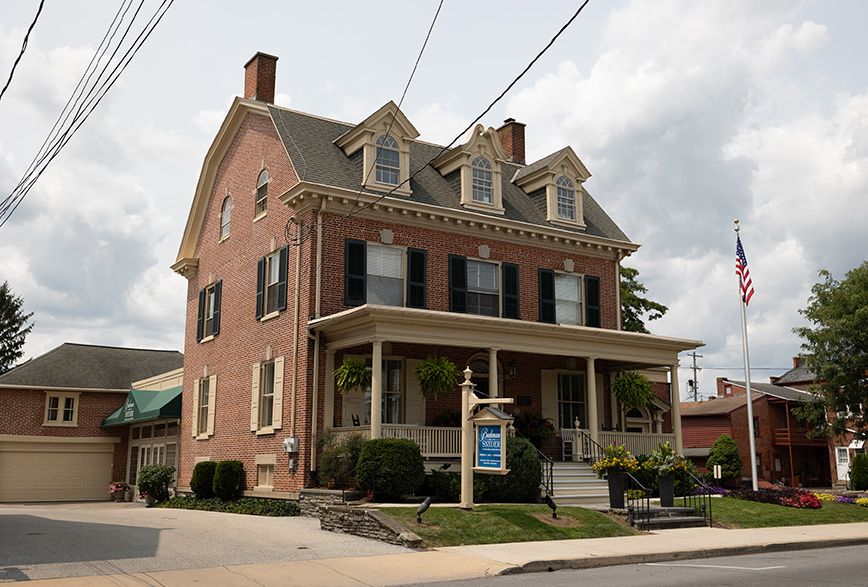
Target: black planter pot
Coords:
[(666, 486), (616, 487)]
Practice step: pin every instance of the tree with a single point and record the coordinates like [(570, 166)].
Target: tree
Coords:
[(836, 351), (12, 329), (633, 306), (724, 452)]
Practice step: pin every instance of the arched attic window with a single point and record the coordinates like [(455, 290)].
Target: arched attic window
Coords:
[(225, 217), (482, 180), (566, 194), (388, 160), (262, 192)]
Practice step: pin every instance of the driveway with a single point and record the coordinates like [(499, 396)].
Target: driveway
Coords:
[(45, 541)]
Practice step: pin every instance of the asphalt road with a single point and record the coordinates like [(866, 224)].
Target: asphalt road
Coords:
[(73, 540), (816, 568)]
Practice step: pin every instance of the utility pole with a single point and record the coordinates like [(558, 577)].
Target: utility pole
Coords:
[(695, 381)]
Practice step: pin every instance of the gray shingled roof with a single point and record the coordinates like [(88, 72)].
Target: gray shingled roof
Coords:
[(83, 366), (782, 392), (309, 142), (799, 374)]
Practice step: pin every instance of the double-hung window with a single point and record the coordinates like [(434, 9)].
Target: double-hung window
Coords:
[(203, 407), (388, 160), (208, 322), (566, 195), (483, 184), (261, 193), (562, 296), (266, 395), (571, 399), (266, 407), (61, 409), (202, 412), (271, 283), (225, 217), (379, 274), (476, 287)]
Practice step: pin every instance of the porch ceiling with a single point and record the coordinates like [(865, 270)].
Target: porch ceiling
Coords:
[(368, 323)]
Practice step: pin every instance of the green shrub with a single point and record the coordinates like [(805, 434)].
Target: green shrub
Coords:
[(447, 486), (202, 481), (724, 452), (397, 468), (338, 456), (859, 474), (252, 506), (522, 483), (154, 480), (228, 477), (647, 474)]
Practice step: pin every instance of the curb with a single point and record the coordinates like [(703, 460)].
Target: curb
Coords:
[(539, 566)]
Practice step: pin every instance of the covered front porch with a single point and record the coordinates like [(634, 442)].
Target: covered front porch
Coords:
[(561, 373)]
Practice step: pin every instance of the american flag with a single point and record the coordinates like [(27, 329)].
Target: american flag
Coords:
[(743, 273)]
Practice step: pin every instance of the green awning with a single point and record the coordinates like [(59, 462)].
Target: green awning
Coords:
[(142, 405)]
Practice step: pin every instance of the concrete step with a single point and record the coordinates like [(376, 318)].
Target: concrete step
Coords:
[(675, 522), (590, 498)]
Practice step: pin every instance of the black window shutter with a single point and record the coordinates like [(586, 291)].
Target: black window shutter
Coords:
[(355, 262), (417, 260), (510, 290), (200, 323), (457, 284), (592, 301), (283, 257), (260, 286), (547, 296), (218, 295)]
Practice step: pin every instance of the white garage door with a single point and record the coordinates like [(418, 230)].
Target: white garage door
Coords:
[(42, 469)]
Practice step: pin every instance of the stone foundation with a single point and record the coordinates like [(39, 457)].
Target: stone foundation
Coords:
[(311, 500)]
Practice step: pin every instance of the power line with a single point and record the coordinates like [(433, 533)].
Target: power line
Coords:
[(85, 98), (297, 241), (23, 47)]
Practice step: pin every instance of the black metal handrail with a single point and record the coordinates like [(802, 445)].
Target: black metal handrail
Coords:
[(548, 467), (591, 449), (340, 480), (638, 503), (701, 501)]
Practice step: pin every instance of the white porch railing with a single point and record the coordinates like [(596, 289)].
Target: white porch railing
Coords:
[(433, 441), (638, 443)]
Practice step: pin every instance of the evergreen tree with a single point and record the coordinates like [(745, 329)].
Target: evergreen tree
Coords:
[(724, 452), (633, 306), (12, 327)]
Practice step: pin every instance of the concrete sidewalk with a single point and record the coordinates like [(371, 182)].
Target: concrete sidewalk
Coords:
[(469, 562)]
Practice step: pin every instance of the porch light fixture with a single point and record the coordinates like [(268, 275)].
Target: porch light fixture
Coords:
[(513, 369)]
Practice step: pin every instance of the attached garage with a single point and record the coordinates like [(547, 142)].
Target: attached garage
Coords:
[(54, 468)]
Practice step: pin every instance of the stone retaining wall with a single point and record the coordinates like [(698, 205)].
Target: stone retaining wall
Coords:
[(367, 523), (310, 500)]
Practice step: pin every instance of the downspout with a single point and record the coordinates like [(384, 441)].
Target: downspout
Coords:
[(315, 407), (618, 311), (296, 329)]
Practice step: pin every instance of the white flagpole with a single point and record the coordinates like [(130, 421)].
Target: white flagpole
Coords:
[(747, 381)]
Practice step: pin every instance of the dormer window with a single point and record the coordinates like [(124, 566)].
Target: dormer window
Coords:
[(482, 182), (262, 192), (566, 194), (388, 160)]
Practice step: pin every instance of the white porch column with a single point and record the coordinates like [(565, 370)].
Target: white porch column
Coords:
[(377, 390), (593, 416), (675, 398), (328, 412), (493, 388)]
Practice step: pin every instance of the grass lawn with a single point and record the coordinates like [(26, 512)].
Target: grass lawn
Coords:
[(495, 524), (740, 513)]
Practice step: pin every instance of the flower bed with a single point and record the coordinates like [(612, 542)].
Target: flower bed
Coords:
[(834, 497), (797, 498)]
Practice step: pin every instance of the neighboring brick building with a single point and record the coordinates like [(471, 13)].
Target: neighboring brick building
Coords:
[(52, 446), (311, 240), (784, 452)]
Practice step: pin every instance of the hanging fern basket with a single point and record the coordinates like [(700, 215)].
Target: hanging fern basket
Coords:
[(351, 375), (633, 390), (436, 376)]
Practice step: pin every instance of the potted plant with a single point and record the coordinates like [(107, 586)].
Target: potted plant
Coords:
[(352, 374), (533, 427), (436, 376), (153, 482), (633, 390), (616, 461), (117, 490), (667, 462)]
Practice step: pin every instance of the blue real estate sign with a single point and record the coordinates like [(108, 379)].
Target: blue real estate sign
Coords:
[(489, 447)]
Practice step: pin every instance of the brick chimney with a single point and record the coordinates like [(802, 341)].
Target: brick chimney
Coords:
[(512, 139), (797, 361), (259, 74)]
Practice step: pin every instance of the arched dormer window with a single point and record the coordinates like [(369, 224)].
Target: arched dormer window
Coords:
[(482, 180), (225, 217), (566, 194), (262, 192), (388, 160)]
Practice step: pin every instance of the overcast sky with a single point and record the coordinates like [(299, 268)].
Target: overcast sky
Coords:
[(687, 114)]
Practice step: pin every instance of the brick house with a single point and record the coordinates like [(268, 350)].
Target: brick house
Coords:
[(310, 241), (783, 450), (52, 445), (842, 449)]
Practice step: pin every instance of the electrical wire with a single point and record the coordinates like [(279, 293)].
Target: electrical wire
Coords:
[(459, 135), (23, 48), (85, 101)]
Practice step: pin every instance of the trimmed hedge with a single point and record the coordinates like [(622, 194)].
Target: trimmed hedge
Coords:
[(202, 481), (228, 479), (391, 467), (253, 506), (859, 474), (154, 480), (724, 452)]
